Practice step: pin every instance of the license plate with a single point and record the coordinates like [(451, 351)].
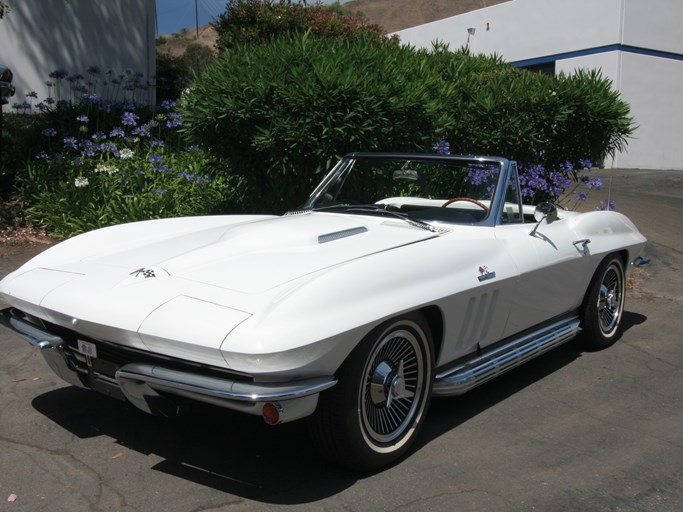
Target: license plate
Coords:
[(87, 349)]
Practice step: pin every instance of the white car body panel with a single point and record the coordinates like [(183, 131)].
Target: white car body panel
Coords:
[(286, 298)]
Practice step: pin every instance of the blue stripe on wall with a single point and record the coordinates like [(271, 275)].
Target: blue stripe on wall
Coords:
[(597, 50)]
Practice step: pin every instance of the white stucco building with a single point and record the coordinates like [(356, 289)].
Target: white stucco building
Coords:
[(38, 37), (637, 44)]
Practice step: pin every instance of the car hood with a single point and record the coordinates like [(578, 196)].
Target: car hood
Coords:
[(257, 256), (248, 256), (125, 283)]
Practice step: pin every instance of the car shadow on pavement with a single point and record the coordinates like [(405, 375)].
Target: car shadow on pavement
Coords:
[(221, 449), (241, 455)]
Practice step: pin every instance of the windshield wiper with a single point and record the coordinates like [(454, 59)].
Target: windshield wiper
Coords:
[(368, 208), (373, 208)]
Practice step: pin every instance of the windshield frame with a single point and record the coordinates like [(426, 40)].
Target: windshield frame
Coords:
[(497, 201)]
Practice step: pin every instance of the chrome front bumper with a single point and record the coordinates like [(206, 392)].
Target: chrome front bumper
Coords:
[(151, 387)]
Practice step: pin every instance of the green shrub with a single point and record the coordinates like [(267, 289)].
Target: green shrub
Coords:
[(282, 113), (138, 168), (531, 117), (107, 189)]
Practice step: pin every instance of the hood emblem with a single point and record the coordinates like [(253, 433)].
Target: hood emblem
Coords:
[(485, 274), (144, 272)]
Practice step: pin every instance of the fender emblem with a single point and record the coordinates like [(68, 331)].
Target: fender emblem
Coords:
[(145, 272), (485, 274)]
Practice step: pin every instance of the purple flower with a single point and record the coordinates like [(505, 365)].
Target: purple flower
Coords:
[(606, 205), (107, 146), (193, 178), (32, 94), (89, 149), (558, 183), (117, 132), (585, 163), (160, 191), (129, 119), (59, 74), (80, 88), (82, 118), (49, 132), (97, 136), (174, 120), (442, 147), (70, 142), (592, 183), (168, 104), (157, 142), (482, 174), (75, 78), (581, 196), (155, 159), (142, 131), (567, 167), (41, 156)]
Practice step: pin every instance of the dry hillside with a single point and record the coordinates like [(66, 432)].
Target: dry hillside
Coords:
[(175, 44), (396, 15), (393, 15)]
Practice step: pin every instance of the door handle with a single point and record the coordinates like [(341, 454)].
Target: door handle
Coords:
[(583, 249)]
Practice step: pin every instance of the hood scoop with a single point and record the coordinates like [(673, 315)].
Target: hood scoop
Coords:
[(337, 235)]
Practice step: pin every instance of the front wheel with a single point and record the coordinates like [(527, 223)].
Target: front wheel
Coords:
[(372, 416), (604, 305)]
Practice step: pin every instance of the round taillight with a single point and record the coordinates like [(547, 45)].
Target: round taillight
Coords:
[(272, 413)]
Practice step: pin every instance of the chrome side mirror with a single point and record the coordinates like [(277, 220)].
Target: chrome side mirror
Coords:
[(547, 211)]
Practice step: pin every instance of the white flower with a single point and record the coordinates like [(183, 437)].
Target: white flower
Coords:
[(126, 153), (81, 182), (109, 169)]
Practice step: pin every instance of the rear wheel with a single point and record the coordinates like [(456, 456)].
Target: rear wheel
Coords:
[(372, 416), (604, 305)]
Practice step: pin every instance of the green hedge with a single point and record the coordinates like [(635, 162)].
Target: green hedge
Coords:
[(282, 112), (528, 116)]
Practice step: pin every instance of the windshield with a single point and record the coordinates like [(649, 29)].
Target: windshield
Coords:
[(448, 189)]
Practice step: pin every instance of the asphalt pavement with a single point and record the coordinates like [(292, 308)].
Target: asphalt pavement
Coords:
[(570, 431)]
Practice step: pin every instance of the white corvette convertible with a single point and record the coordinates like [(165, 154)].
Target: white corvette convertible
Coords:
[(402, 277)]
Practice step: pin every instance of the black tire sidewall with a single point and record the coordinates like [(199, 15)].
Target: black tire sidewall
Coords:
[(593, 337), (350, 445)]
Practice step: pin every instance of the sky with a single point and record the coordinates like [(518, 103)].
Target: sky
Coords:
[(172, 15)]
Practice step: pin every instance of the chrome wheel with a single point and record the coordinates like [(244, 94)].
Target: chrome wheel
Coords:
[(610, 299), (393, 387), (603, 305), (373, 414)]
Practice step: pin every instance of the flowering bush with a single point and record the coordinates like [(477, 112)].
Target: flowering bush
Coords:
[(565, 186), (256, 21), (104, 162)]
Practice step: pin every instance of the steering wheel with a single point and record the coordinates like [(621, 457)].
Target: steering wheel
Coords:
[(467, 199)]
